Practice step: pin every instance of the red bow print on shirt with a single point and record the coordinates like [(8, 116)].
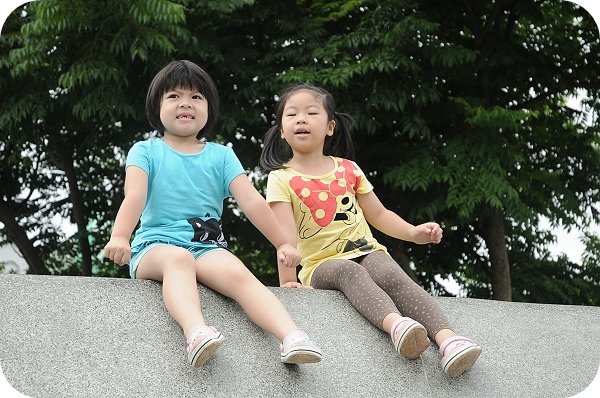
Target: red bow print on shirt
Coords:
[(321, 196)]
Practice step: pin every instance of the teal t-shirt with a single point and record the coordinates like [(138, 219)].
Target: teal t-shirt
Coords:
[(185, 193)]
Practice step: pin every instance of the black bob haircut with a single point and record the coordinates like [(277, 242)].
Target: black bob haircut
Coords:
[(187, 75)]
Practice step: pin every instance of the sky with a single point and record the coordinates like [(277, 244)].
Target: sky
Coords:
[(568, 243)]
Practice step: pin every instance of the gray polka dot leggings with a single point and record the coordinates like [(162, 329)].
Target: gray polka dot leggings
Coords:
[(377, 286)]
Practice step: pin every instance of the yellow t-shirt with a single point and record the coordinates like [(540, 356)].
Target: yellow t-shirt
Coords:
[(329, 221)]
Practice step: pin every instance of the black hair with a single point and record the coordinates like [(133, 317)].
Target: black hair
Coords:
[(186, 75), (276, 151)]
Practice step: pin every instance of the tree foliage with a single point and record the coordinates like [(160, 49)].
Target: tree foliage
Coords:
[(461, 109), (463, 114)]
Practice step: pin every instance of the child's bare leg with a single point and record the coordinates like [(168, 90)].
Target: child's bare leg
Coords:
[(175, 268), (223, 272)]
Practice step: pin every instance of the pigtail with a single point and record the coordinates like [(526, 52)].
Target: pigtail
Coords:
[(276, 151), (341, 144)]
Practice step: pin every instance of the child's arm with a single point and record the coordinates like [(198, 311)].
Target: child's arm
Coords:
[(393, 225), (285, 214), (259, 213), (118, 248)]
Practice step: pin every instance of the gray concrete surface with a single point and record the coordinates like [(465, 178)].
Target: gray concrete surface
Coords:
[(101, 337)]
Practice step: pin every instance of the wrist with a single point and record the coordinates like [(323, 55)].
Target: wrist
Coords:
[(414, 234)]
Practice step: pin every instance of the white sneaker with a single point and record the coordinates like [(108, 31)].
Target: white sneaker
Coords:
[(297, 347), (202, 345)]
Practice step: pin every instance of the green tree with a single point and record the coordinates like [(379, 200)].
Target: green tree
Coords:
[(246, 49), (460, 107), (462, 113), (77, 70)]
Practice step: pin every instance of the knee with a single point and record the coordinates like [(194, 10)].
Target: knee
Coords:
[(388, 273), (352, 271), (180, 261), (229, 269), (240, 275)]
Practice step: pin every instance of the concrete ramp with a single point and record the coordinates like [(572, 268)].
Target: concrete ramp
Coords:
[(102, 337)]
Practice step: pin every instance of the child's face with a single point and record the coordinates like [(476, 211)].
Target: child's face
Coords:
[(183, 112), (305, 123)]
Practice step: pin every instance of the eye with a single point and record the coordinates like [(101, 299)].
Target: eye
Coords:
[(291, 114), (198, 97), (172, 95)]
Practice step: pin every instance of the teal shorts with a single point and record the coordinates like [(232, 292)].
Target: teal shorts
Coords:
[(137, 256)]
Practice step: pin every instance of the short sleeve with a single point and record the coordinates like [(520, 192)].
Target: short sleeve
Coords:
[(277, 189), (364, 185), (139, 156), (232, 167)]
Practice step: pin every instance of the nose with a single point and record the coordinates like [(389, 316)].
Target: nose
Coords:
[(185, 105), (300, 119)]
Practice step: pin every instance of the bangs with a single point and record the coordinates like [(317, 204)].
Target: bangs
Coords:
[(184, 78), (184, 75)]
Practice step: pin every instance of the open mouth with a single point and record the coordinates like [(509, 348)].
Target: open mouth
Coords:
[(185, 117), (302, 132)]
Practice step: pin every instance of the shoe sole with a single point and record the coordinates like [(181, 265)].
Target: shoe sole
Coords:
[(461, 361), (302, 356), (203, 352), (413, 342)]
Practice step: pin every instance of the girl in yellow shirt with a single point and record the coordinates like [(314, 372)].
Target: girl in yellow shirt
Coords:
[(323, 201)]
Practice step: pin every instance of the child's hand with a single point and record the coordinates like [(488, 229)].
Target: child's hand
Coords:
[(296, 285), (429, 232), (288, 256), (118, 250)]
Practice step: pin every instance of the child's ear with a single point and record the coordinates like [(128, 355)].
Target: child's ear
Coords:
[(330, 127)]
